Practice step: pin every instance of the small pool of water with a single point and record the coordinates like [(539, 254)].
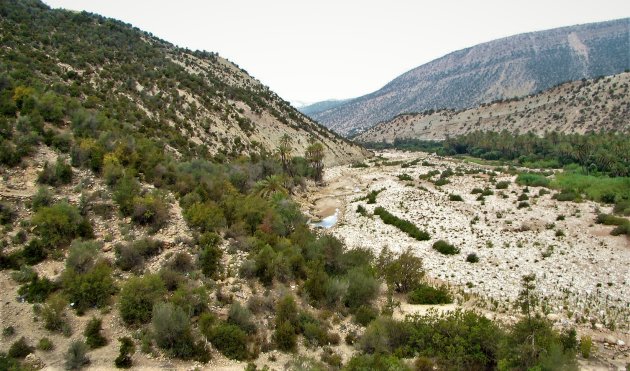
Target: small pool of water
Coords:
[(328, 221)]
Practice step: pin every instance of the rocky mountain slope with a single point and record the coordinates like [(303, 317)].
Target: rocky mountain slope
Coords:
[(575, 107), (504, 68), (315, 108), (196, 102)]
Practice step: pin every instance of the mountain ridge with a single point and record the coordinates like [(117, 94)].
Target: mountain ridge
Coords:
[(573, 107), (504, 68)]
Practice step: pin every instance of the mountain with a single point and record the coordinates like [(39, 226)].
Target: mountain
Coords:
[(315, 108), (504, 68), (575, 107), (195, 102)]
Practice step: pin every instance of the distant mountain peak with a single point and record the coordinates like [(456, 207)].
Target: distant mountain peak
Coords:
[(504, 68)]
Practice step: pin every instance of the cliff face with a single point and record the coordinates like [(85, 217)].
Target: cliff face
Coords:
[(509, 67)]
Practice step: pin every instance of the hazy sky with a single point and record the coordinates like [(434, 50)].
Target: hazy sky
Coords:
[(308, 51)]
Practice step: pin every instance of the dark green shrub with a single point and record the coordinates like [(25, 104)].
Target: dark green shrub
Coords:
[(53, 314), (181, 262), (93, 337), (523, 204), (42, 198), (401, 224), (171, 329), (472, 258), (230, 340), (76, 356), (362, 362), (20, 349), (523, 197), (425, 294), (60, 223), (127, 349), (172, 280), (502, 185), (364, 314), (131, 256), (476, 191), (45, 344), (404, 177), (402, 273), (90, 289), (454, 197), (241, 316), (285, 337), (363, 288), (566, 195), (207, 217), (622, 207), (8, 331), (361, 210), (37, 290), (315, 334), (441, 181), (137, 298), (34, 252), (385, 336), (7, 214), (193, 300), (60, 174), (150, 210), (532, 180), (82, 255), (445, 248)]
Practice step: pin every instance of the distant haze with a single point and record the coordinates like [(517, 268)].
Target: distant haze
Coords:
[(318, 50)]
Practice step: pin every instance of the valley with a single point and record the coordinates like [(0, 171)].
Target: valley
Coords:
[(581, 270)]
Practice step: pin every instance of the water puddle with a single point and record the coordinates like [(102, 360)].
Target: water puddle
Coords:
[(328, 221)]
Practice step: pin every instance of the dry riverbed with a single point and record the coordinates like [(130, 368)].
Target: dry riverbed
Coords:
[(582, 272)]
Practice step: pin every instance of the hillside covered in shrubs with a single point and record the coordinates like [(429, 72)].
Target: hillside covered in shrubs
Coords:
[(128, 239)]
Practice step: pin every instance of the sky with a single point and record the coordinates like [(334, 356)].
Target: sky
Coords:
[(308, 51)]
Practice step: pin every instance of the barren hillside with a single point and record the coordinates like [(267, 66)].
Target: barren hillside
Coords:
[(576, 107)]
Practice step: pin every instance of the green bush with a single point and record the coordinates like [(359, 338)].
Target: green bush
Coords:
[(285, 337), (60, 223), (210, 254), (454, 197), (55, 176), (585, 346), (20, 349), (76, 356), (137, 298), (37, 290), (7, 214), (385, 336), (532, 180), (150, 210), (365, 314), (42, 198), (171, 329), (522, 205), (126, 351), (230, 340), (45, 344), (566, 195), (90, 289), (401, 273), (363, 288), (401, 224), (362, 362), (502, 185), (34, 252), (131, 256), (82, 255), (425, 294), (445, 248), (53, 314), (404, 177), (207, 217), (241, 316), (93, 337), (472, 258)]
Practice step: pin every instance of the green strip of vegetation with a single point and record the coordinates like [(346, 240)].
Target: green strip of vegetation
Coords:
[(402, 224)]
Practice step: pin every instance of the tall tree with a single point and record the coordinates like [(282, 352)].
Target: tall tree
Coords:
[(315, 158)]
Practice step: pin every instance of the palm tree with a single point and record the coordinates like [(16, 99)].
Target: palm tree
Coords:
[(284, 149), (315, 158), (271, 185)]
